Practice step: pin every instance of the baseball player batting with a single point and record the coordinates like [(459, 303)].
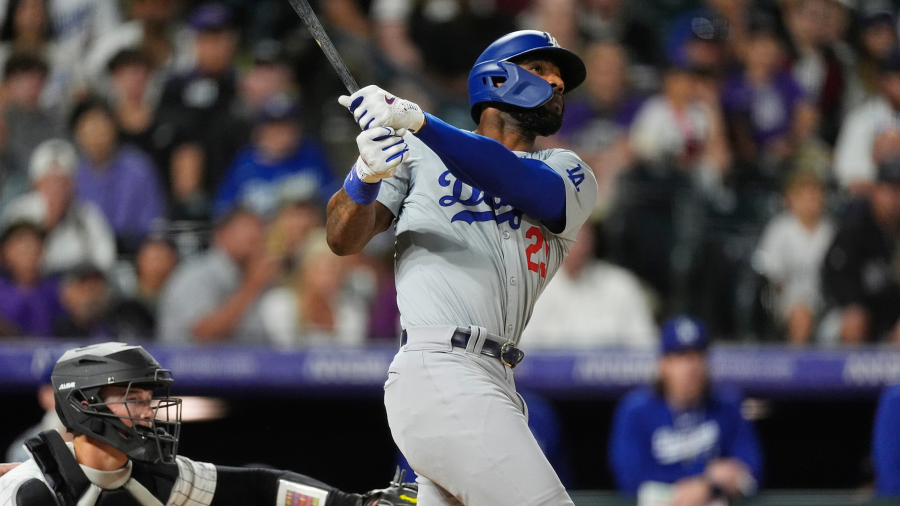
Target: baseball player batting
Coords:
[(482, 223)]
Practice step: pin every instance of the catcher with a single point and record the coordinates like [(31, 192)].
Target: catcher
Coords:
[(115, 399)]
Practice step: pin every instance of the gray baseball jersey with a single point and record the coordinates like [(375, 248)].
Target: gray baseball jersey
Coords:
[(465, 258)]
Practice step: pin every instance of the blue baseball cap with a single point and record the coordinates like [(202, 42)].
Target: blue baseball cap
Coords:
[(279, 108), (683, 333), (211, 16)]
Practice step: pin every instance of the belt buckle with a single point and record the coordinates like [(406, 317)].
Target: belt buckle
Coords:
[(503, 352)]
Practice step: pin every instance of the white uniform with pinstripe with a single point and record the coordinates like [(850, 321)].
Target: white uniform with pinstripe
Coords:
[(195, 485)]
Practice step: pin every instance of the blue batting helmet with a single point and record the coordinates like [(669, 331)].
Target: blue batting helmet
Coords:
[(520, 87)]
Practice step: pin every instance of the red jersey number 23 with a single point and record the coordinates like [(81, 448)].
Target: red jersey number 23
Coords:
[(537, 266)]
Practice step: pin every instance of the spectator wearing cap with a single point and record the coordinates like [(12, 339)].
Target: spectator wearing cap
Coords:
[(684, 441), (215, 297), (77, 232), (270, 77), (768, 114), (279, 155), (860, 278), (117, 178), (791, 252), (886, 444), (201, 105), (876, 41), (856, 158), (26, 124), (29, 301), (85, 295), (134, 314), (591, 303)]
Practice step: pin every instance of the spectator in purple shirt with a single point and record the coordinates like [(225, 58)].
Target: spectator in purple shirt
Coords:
[(28, 301), (767, 112), (119, 179)]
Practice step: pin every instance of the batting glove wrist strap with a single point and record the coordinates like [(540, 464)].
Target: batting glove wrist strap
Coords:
[(358, 190)]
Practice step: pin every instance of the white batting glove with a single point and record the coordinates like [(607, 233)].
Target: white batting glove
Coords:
[(381, 150), (374, 107)]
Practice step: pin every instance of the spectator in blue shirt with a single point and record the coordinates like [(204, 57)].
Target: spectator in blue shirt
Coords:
[(278, 156), (683, 442), (886, 444)]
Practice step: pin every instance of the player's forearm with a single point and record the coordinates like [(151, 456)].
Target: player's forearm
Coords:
[(243, 486), (528, 185), (349, 226)]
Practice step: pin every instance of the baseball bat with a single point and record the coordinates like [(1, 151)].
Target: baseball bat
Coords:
[(302, 8)]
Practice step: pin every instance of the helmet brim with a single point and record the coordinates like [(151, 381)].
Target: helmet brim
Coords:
[(571, 67)]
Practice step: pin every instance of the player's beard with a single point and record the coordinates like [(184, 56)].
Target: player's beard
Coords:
[(540, 120)]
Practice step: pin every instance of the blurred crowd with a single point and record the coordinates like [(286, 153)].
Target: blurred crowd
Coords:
[(165, 165)]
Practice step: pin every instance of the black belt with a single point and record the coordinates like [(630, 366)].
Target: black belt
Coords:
[(506, 352)]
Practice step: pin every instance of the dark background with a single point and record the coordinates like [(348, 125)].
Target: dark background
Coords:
[(807, 444)]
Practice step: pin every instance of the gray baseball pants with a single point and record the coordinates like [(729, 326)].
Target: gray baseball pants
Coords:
[(458, 420)]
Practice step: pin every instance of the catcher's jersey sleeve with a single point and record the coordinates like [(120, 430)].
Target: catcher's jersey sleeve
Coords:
[(11, 481), (196, 483)]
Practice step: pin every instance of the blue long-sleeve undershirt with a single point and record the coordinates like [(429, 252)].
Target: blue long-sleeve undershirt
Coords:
[(529, 185)]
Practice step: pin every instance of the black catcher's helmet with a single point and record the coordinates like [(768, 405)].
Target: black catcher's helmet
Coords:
[(78, 378)]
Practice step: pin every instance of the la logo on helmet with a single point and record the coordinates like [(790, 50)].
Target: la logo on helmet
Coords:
[(552, 40)]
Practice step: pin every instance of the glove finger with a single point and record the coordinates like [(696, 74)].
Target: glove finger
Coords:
[(400, 156), (385, 134), (400, 132), (391, 145), (345, 101)]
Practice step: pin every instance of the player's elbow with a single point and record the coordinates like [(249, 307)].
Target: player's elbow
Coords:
[(340, 246)]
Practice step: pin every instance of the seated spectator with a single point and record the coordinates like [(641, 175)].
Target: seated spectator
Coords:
[(200, 104), (118, 179), (299, 215), (153, 28), (77, 232), (318, 306), (26, 123), (678, 130), (791, 253), (130, 74), (85, 295), (279, 155), (215, 296), (28, 301), (591, 303), (268, 78), (596, 124), (886, 444), (767, 112), (27, 28), (683, 441), (615, 22), (877, 40), (814, 31), (855, 162), (858, 277), (134, 316)]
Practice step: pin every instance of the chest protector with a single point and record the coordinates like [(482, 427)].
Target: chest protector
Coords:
[(68, 482)]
